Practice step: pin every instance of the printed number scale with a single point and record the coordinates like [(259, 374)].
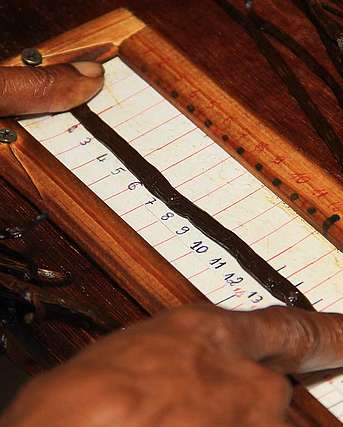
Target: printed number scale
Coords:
[(99, 202)]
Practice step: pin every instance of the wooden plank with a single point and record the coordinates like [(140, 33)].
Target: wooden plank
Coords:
[(125, 256), (28, 159), (98, 39)]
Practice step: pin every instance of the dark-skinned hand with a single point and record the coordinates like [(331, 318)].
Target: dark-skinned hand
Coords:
[(196, 366)]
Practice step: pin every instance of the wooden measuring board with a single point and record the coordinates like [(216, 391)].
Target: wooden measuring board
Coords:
[(210, 177), (195, 164)]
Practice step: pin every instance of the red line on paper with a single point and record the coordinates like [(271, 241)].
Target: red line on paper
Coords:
[(198, 273), (257, 216), (219, 187), (170, 142), (273, 231), (237, 201), (155, 127), (146, 226), (181, 256), (291, 247), (98, 180), (185, 158), (203, 172), (325, 280), (311, 263)]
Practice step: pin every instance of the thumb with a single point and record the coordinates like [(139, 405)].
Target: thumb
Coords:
[(55, 88), (291, 340)]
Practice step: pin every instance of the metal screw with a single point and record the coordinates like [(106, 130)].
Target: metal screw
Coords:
[(32, 57), (3, 344), (7, 135), (340, 43)]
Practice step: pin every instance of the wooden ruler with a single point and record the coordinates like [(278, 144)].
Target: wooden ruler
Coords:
[(269, 156), (149, 278)]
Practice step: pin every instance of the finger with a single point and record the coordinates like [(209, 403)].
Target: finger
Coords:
[(55, 88), (291, 340)]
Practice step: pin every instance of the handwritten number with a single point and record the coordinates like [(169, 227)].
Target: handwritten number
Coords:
[(134, 185), (151, 202), (255, 297), (183, 230), (199, 247), (86, 141), (102, 158), (229, 279), (118, 170), (217, 263), (167, 216)]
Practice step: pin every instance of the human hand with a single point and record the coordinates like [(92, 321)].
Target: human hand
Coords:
[(197, 366), (55, 88)]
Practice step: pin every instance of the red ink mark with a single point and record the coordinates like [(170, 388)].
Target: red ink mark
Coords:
[(301, 178), (194, 94), (278, 160), (336, 206), (320, 192), (73, 128), (239, 292), (261, 147)]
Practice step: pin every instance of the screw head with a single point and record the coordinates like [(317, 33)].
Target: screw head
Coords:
[(32, 57), (7, 136), (3, 344), (340, 43)]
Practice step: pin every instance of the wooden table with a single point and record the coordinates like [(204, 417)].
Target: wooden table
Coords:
[(26, 24)]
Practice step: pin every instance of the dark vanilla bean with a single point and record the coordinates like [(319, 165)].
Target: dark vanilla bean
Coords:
[(159, 186), (287, 75)]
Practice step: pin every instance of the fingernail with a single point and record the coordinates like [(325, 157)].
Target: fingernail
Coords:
[(89, 69)]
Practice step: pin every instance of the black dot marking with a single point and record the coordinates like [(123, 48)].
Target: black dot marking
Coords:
[(311, 210), (191, 108), (329, 222), (258, 167), (294, 197), (240, 151), (208, 123), (225, 138), (158, 82), (276, 182), (174, 94)]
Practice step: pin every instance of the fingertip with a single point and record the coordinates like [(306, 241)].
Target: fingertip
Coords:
[(89, 69), (80, 86)]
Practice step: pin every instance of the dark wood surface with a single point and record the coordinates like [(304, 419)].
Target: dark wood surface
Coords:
[(25, 24), (186, 23)]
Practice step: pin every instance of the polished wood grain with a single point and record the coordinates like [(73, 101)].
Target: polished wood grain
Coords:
[(238, 130), (118, 249), (197, 45), (52, 249)]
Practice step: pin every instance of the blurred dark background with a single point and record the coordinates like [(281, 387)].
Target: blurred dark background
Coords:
[(11, 379)]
